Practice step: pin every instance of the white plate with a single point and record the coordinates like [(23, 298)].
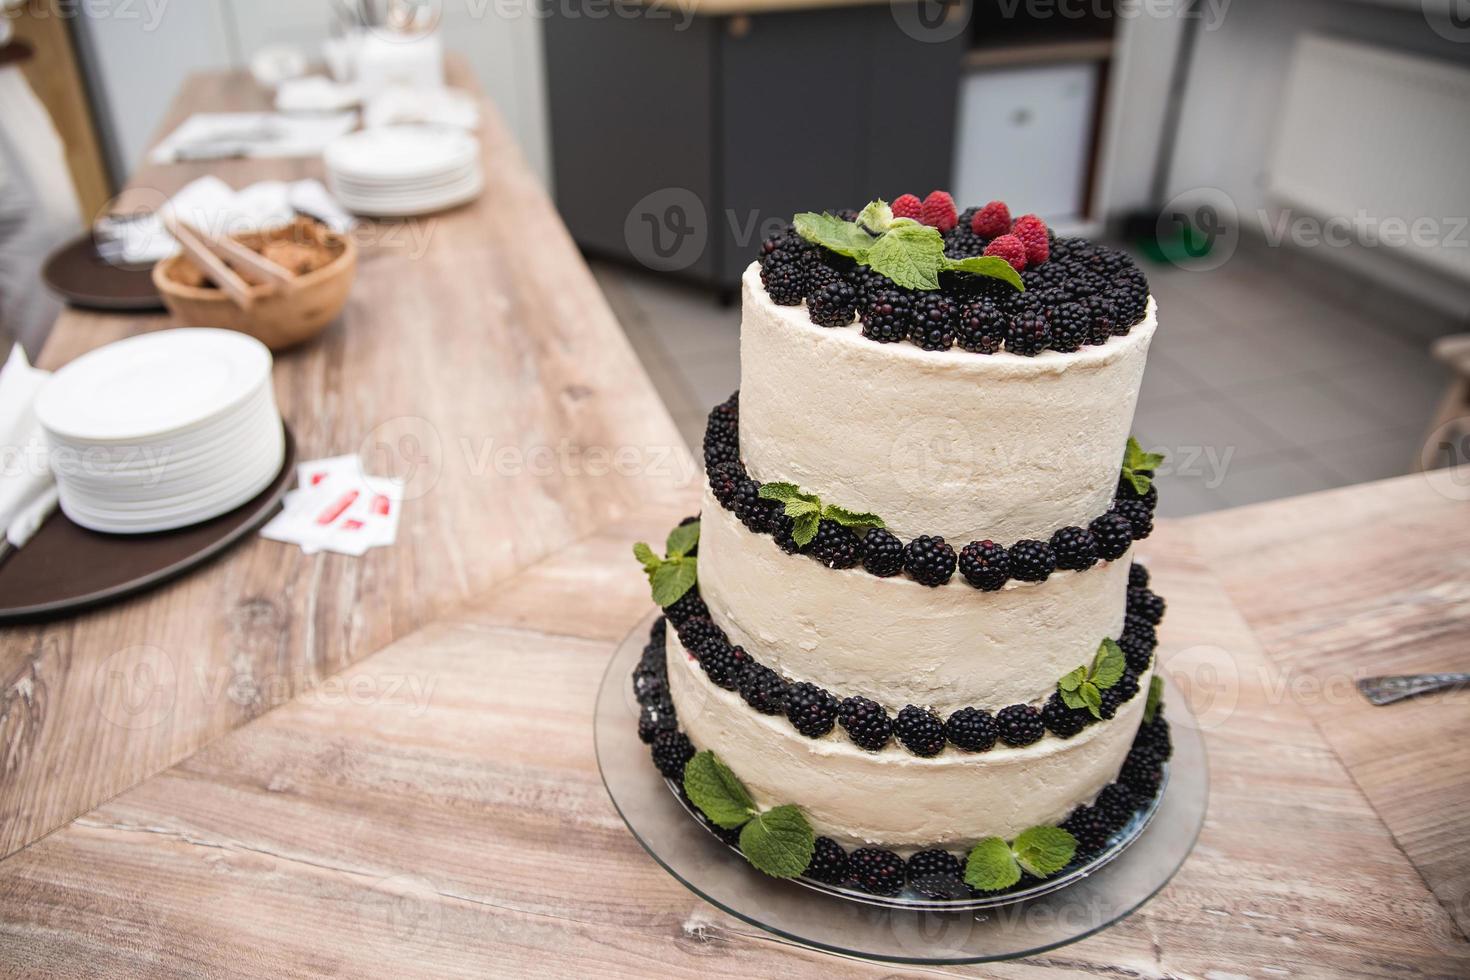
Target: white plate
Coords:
[(159, 483), (400, 209), (430, 180), (398, 152), (152, 385), (411, 191)]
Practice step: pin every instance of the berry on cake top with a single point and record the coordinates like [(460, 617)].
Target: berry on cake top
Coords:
[(921, 272)]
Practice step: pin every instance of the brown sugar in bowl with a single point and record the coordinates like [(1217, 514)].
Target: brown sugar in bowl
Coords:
[(324, 263)]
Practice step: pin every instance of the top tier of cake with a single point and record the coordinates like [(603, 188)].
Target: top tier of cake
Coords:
[(951, 443)]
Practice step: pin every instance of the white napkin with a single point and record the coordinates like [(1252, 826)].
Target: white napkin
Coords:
[(437, 105), (211, 204), (25, 474), (218, 135), (316, 93), (337, 507)]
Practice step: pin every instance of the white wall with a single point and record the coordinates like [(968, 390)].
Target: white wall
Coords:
[(139, 52)]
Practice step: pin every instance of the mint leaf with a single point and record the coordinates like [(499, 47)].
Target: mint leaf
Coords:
[(1044, 851), (1071, 681), (909, 254), (1091, 698), (1108, 665), (806, 526), (796, 508), (1155, 698), (986, 265), (716, 791), (672, 579), (646, 557), (834, 234), (991, 866), (851, 519), (784, 492), (779, 842), (682, 540), (876, 217), (1138, 466)]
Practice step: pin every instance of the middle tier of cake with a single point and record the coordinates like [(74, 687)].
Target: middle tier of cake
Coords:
[(898, 642)]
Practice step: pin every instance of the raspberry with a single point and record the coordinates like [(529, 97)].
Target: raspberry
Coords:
[(929, 560), (981, 326), (882, 553), (985, 565), (763, 689), (1028, 334), (1010, 248), (832, 304), (971, 729), (1019, 724), (671, 750), (1075, 549), (888, 316), (876, 870), (865, 722), (939, 211), (933, 325), (919, 731), (991, 221), (828, 863), (1032, 561), (835, 546), (1062, 721), (908, 206), (811, 710), (1113, 534), (1031, 230), (1070, 325)]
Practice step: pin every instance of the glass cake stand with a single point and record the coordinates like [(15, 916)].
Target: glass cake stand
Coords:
[(1138, 861)]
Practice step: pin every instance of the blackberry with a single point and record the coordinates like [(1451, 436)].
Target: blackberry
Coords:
[(1062, 721), (1019, 724), (888, 315), (1118, 695), (833, 303), (755, 512), (1137, 576), (985, 565), (935, 873), (1140, 517), (671, 750), (1130, 300), (784, 274), (1074, 549), (828, 863), (1071, 326), (724, 483), (1113, 535), (961, 242), (1142, 777), (1089, 827), (980, 326), (659, 631), (1137, 651), (719, 450), (811, 710), (723, 663), (783, 527), (835, 546), (866, 284), (920, 731), (1029, 333), (1126, 491), (876, 870), (929, 560), (1145, 605), (697, 629), (686, 607), (865, 722), (933, 323), (1153, 737), (972, 729), (763, 689), (649, 685), (1103, 319), (1032, 561), (1140, 631), (1115, 805), (882, 553), (654, 719)]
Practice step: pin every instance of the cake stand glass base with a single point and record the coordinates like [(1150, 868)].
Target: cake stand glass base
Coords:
[(1140, 861)]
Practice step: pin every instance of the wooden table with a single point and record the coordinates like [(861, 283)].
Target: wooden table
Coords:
[(435, 808)]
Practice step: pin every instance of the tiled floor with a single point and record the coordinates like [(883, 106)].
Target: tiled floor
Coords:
[(1262, 383)]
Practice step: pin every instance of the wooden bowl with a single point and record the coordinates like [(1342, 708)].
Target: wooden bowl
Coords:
[(280, 317)]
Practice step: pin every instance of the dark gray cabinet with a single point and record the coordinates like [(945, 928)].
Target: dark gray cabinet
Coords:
[(680, 143)]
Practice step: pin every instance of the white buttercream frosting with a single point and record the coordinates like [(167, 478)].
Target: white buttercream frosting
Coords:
[(892, 797), (894, 640), (964, 445)]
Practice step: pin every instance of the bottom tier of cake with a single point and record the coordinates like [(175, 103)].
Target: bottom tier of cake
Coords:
[(890, 797)]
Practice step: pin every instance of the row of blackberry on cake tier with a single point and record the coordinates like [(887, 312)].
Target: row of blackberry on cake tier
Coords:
[(816, 712), (936, 873), (1078, 293), (927, 559)]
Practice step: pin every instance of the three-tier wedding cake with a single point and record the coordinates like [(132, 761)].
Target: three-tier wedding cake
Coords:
[(910, 646)]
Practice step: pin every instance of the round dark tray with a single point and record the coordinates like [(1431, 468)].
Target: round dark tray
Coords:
[(81, 277), (66, 568)]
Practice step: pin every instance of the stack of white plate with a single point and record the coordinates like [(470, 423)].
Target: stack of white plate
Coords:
[(397, 171), (162, 430)]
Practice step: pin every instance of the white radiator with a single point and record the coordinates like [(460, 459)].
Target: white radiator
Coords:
[(1375, 146)]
